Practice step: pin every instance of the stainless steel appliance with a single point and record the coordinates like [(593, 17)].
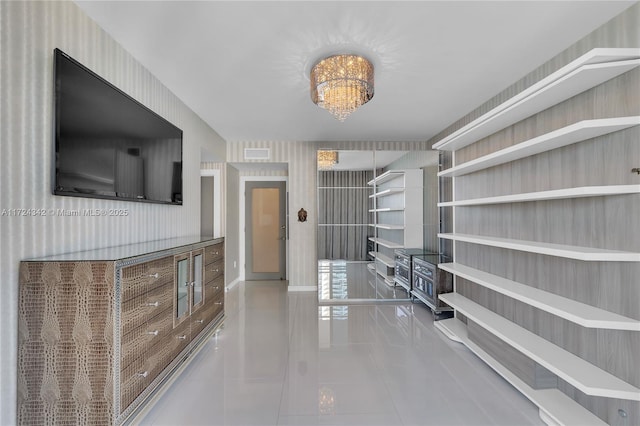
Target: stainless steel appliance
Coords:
[(403, 266), (429, 281)]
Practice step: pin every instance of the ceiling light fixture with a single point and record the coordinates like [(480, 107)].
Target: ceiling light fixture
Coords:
[(341, 84), (327, 159)]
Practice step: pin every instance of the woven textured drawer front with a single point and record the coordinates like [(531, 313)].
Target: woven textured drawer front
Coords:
[(140, 309), (139, 279), (213, 253), (136, 343)]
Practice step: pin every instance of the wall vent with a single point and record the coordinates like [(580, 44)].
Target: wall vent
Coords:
[(257, 153)]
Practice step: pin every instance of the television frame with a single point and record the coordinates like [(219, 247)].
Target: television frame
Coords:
[(178, 201)]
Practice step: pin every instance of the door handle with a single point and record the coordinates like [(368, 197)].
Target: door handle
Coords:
[(283, 227)]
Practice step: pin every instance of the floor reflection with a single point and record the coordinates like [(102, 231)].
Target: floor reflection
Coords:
[(340, 280), (283, 359)]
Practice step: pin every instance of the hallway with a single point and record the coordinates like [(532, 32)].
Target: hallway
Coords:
[(283, 360)]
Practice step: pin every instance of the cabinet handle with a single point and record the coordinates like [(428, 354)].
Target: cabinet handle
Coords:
[(154, 332), (216, 270), (156, 304), (186, 284), (218, 303), (143, 374), (217, 287), (200, 321), (153, 275), (216, 252), (183, 337), (193, 284)]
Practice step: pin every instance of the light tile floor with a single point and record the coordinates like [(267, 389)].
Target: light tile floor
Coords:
[(283, 360)]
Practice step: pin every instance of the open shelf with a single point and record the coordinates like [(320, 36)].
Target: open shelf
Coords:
[(386, 243), (384, 259), (556, 194), (387, 209), (386, 176), (559, 250), (587, 71), (568, 309), (553, 404), (386, 226), (580, 131), (386, 192), (388, 279), (576, 371)]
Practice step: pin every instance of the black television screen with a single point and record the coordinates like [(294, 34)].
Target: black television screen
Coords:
[(108, 145)]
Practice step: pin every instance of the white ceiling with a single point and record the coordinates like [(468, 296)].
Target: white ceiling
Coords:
[(243, 66)]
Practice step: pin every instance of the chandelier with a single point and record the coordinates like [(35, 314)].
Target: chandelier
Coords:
[(341, 84), (327, 159)]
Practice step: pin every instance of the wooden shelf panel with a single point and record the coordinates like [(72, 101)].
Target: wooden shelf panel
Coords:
[(386, 243), (576, 371), (386, 176), (386, 192), (568, 309), (554, 404), (587, 71), (580, 131), (559, 250), (556, 194)]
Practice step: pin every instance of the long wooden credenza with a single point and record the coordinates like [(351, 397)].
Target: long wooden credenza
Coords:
[(100, 331)]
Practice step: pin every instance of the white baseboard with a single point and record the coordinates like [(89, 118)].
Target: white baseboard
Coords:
[(302, 288), (232, 284)]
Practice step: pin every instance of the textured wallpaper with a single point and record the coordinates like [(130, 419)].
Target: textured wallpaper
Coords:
[(33, 221)]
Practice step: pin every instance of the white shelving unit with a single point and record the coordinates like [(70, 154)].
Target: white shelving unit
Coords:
[(386, 226), (587, 71), (555, 407), (556, 194), (560, 250), (569, 309), (581, 131), (386, 243), (579, 373), (397, 198)]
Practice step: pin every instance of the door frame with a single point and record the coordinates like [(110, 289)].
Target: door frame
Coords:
[(242, 222), (217, 200)]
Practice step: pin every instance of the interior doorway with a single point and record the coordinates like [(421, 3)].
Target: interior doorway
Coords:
[(265, 230), (206, 205)]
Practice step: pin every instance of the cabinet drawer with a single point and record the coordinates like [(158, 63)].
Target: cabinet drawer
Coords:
[(139, 279), (213, 270), (140, 309), (180, 338), (133, 380), (135, 344), (213, 287), (213, 253)]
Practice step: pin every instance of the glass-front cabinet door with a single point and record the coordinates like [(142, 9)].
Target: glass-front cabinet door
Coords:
[(197, 284), (182, 285), (189, 284)]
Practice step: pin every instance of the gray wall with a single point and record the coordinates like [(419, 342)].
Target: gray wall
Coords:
[(232, 245), (603, 222), (29, 31)]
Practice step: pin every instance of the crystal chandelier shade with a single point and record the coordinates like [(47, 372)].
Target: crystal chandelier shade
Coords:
[(341, 84), (327, 159)]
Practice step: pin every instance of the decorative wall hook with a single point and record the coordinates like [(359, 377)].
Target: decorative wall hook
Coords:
[(302, 215)]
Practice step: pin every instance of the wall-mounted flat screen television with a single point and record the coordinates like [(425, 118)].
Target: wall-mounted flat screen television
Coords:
[(108, 145)]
